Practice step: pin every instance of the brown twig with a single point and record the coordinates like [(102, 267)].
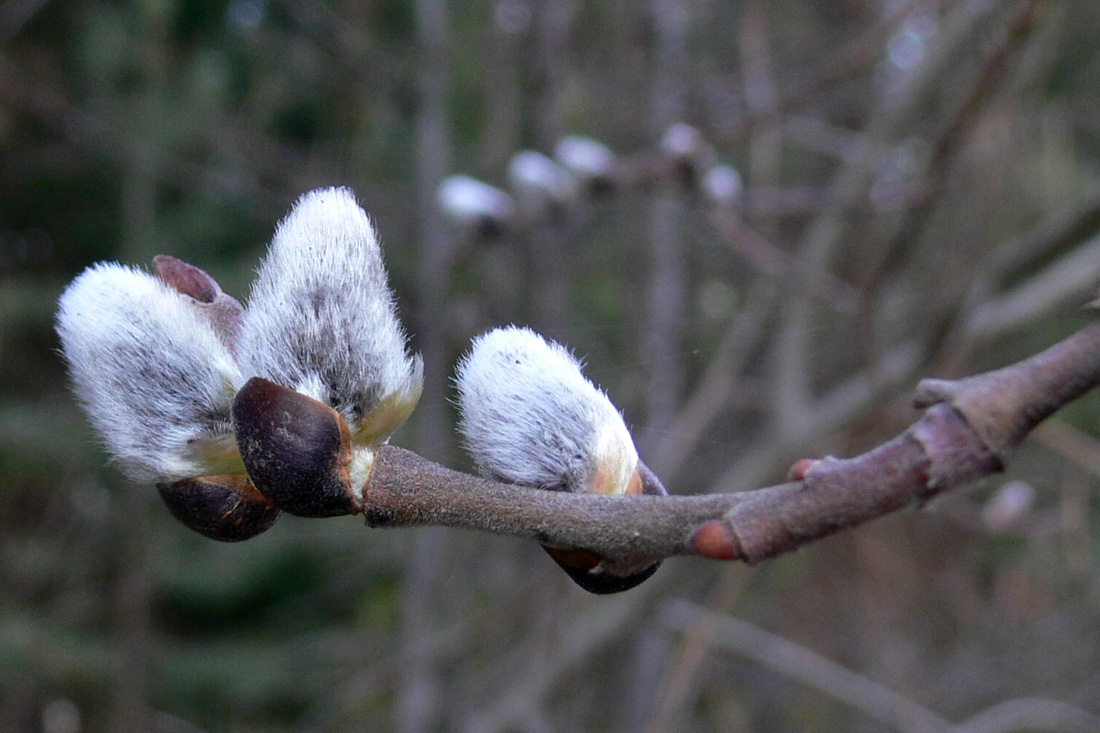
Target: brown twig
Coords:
[(970, 430), (955, 132), (866, 695), (802, 664), (855, 58), (773, 262)]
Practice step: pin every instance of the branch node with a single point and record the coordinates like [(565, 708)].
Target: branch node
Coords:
[(1002, 406), (956, 452)]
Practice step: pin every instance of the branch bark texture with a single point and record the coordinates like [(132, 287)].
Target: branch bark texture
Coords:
[(969, 430)]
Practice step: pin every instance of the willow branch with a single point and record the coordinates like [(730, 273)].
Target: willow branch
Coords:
[(806, 666), (969, 430), (866, 695)]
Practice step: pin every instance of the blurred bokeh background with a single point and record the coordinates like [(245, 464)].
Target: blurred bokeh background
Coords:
[(870, 191)]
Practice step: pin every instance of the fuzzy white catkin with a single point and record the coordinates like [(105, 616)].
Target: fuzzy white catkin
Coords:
[(148, 368), (530, 417), (321, 318)]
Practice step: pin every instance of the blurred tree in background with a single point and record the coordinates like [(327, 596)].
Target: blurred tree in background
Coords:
[(919, 197)]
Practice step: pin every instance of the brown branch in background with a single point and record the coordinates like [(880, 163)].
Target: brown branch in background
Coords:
[(808, 667), (1030, 713), (418, 697), (869, 697), (550, 260), (765, 144), (667, 286), (862, 53), (823, 235), (591, 633), (785, 201), (818, 136), (1072, 224), (1062, 281), (1052, 278), (855, 58), (773, 262), (714, 388), (954, 134), (1070, 443), (970, 430), (684, 669)]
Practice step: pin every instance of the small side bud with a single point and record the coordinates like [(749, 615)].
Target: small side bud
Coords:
[(224, 312), (591, 162), (187, 279), (226, 508), (474, 207), (296, 449), (543, 188), (151, 372), (800, 469), (530, 417), (715, 541)]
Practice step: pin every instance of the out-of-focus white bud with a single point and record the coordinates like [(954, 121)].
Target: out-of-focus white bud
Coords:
[(542, 187), (684, 143), (151, 372), (590, 161), (530, 417), (686, 147), (722, 185), (474, 206), (321, 318), (1008, 505)]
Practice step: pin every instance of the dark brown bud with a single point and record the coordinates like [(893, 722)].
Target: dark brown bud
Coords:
[(184, 277), (224, 311), (589, 572), (586, 571), (297, 450), (226, 508)]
